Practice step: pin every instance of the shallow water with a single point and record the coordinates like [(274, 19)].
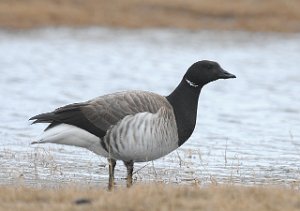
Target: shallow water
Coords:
[(248, 129)]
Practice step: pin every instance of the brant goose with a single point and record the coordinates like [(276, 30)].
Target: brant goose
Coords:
[(132, 126)]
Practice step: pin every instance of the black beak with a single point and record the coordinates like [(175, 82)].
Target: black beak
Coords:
[(225, 75)]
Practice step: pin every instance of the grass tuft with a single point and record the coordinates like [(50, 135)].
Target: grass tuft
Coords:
[(150, 197)]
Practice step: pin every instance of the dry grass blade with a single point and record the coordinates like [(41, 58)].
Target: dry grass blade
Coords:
[(154, 197)]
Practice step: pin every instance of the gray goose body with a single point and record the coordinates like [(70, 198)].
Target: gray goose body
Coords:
[(140, 126), (132, 126)]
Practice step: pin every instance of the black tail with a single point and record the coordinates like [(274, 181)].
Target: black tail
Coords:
[(70, 114), (58, 115), (43, 118)]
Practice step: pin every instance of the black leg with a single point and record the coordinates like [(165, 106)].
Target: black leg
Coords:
[(111, 166), (129, 166)]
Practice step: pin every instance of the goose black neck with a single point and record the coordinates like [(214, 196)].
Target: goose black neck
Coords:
[(184, 100)]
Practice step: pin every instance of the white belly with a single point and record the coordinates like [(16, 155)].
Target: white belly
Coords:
[(74, 136)]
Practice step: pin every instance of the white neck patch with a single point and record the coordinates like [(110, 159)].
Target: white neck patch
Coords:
[(191, 83)]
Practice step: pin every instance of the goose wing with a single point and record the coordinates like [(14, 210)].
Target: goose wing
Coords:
[(99, 114)]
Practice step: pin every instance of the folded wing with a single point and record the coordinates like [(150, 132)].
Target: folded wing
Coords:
[(98, 115)]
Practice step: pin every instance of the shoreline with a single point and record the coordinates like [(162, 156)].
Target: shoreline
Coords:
[(243, 15)]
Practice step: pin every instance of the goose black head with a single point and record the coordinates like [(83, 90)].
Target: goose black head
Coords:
[(203, 72)]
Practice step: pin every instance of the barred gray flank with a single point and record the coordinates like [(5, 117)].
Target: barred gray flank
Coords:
[(149, 136)]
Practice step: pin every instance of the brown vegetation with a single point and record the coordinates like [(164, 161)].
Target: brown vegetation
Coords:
[(254, 15), (150, 197)]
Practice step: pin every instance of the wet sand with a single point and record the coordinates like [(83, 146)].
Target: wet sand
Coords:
[(264, 15)]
